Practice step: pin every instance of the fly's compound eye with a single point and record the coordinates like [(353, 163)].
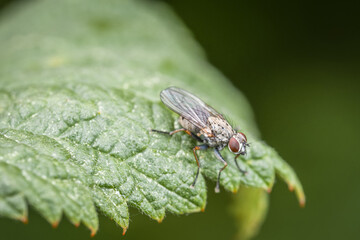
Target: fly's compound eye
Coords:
[(234, 145)]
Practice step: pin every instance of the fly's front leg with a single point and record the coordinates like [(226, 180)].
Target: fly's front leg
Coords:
[(218, 156), (201, 147), (241, 170)]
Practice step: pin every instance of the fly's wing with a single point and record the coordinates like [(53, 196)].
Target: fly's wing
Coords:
[(187, 105)]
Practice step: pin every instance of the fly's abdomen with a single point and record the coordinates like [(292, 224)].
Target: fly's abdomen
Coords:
[(188, 125)]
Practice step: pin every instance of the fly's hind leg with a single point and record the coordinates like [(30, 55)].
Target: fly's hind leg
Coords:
[(178, 130), (218, 155), (201, 147), (172, 132)]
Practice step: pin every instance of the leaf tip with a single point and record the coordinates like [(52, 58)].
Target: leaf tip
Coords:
[(160, 220), (302, 201), (55, 224), (203, 209), (124, 231), (93, 232), (269, 190), (77, 224), (291, 187), (24, 220)]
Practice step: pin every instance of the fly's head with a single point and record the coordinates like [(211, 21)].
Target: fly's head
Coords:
[(238, 143)]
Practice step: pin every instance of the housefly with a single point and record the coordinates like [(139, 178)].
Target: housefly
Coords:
[(204, 124)]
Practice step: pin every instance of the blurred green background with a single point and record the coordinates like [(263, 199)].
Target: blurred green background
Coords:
[(298, 64)]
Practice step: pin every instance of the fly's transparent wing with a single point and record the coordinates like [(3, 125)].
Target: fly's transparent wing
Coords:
[(187, 105)]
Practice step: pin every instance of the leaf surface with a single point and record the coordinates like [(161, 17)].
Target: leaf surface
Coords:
[(80, 83)]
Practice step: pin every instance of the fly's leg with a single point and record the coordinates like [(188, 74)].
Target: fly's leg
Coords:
[(241, 170), (218, 155), (172, 132), (179, 130), (201, 147)]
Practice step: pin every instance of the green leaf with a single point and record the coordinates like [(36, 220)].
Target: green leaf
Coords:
[(80, 83), (288, 175)]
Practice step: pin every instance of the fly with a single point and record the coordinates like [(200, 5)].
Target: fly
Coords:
[(204, 124)]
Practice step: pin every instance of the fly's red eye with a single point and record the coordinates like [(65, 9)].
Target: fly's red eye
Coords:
[(234, 145)]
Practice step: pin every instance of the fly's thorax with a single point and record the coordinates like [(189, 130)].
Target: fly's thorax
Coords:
[(221, 129)]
